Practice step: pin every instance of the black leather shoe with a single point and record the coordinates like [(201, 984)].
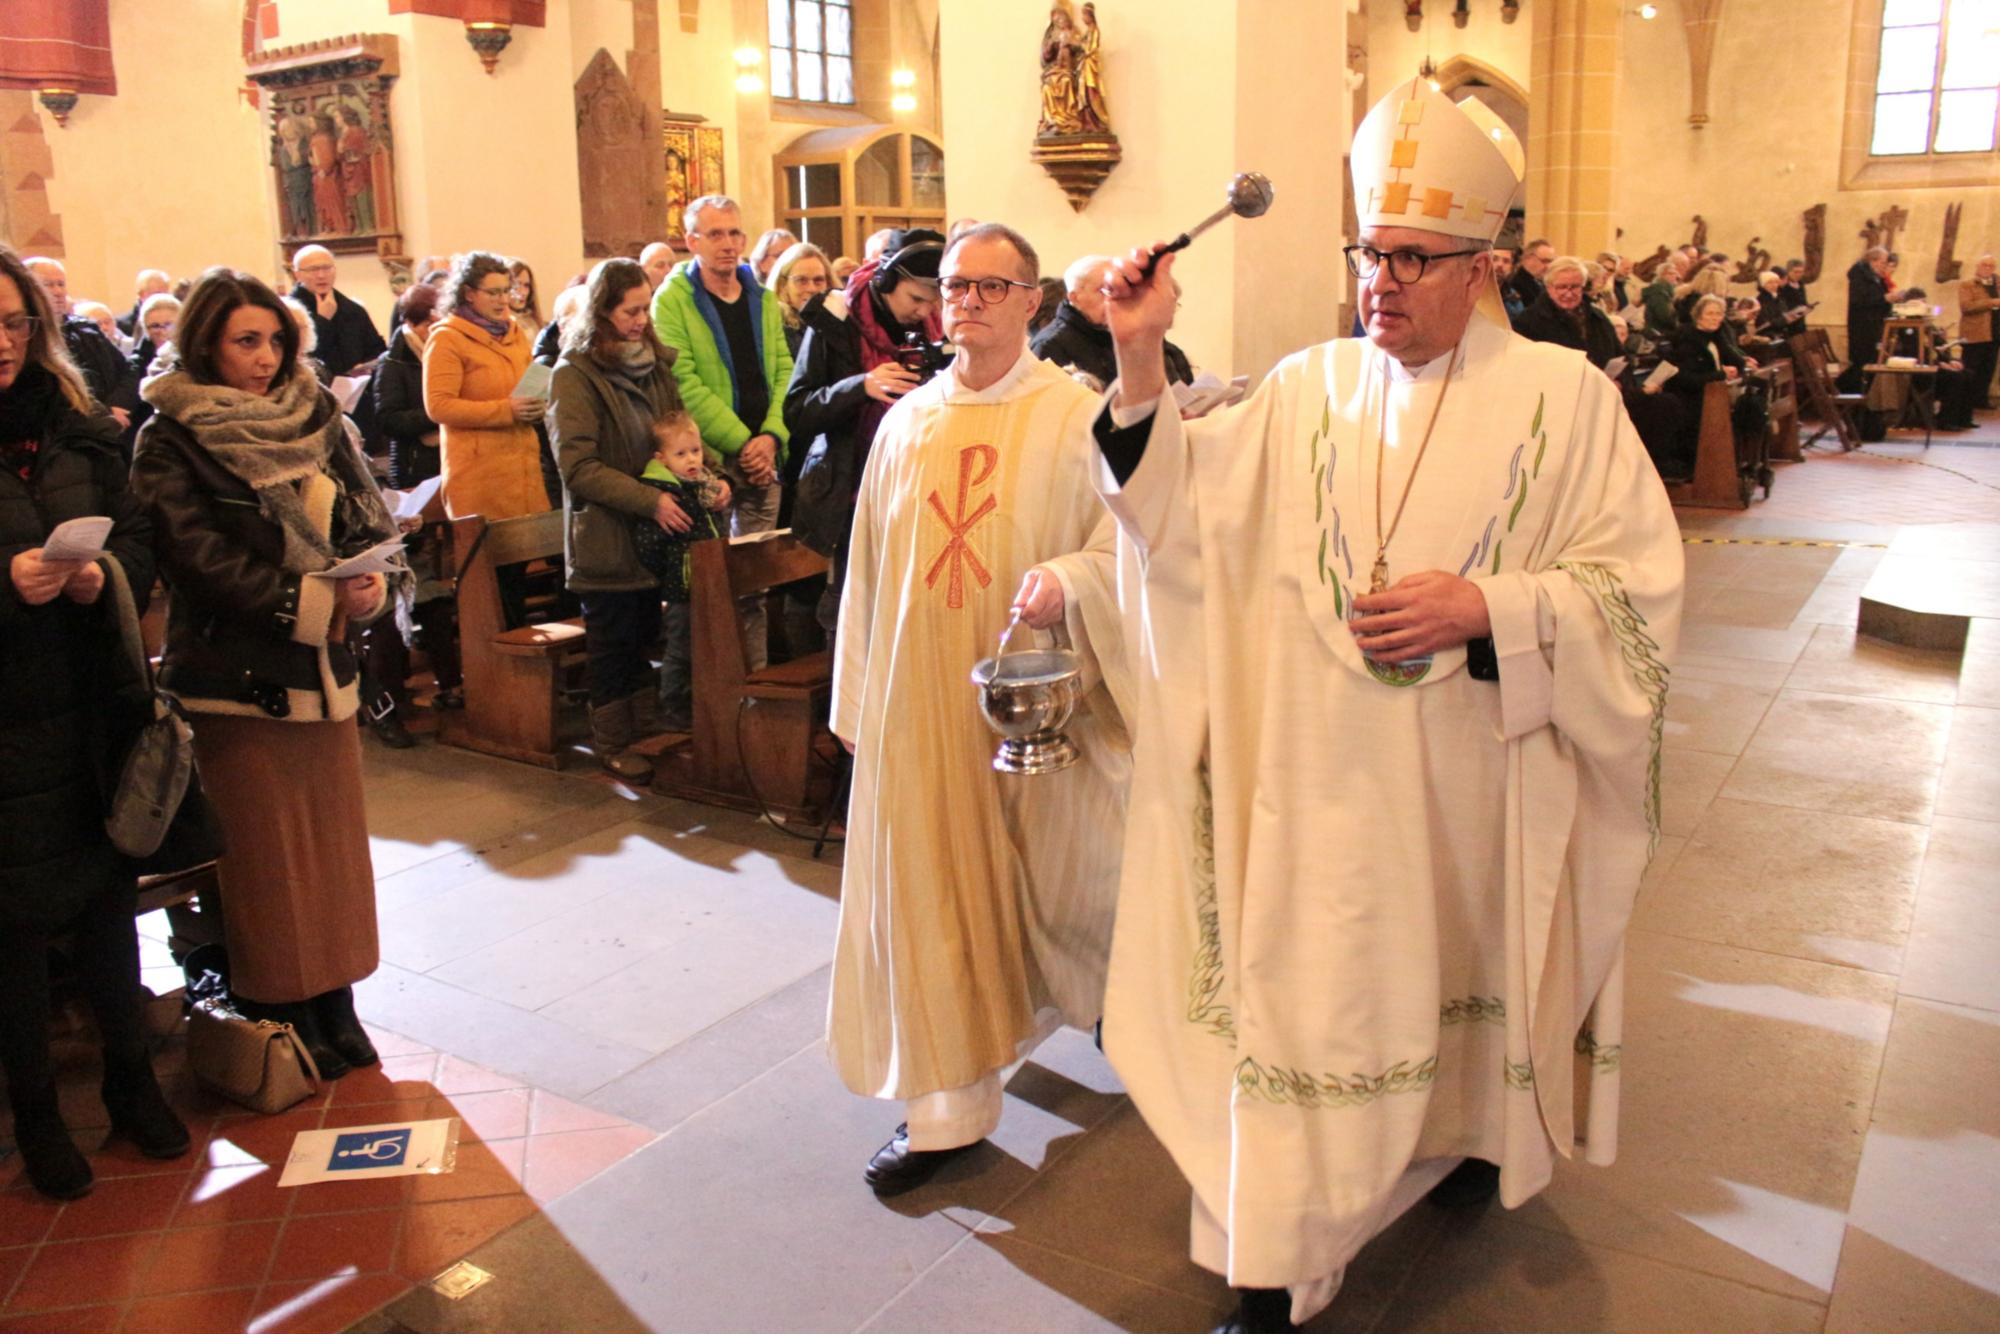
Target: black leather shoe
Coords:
[(896, 1167), (343, 1031), (140, 1115), (54, 1166), (1260, 1311), (1473, 1182), (299, 1014), (389, 730)]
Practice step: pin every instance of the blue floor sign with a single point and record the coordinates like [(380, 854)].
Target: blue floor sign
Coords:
[(374, 1148)]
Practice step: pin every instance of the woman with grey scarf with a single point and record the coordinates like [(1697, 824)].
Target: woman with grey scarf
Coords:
[(615, 380), (254, 490)]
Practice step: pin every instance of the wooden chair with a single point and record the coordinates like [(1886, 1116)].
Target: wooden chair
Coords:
[(513, 663), (1811, 354), (760, 738)]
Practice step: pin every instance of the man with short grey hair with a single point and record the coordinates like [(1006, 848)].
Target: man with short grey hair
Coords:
[(345, 339), (1075, 337), (732, 369)]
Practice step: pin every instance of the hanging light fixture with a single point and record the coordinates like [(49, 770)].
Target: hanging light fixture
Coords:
[(489, 38), (59, 102)]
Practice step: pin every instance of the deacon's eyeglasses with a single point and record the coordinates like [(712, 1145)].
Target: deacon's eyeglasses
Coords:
[(1405, 266), (991, 290), (316, 268), (20, 328)]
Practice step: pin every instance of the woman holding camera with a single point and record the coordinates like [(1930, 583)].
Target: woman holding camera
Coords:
[(254, 488), (849, 373), (61, 746)]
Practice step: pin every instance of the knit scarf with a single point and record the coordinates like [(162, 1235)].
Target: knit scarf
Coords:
[(264, 441), (498, 328), (880, 337)]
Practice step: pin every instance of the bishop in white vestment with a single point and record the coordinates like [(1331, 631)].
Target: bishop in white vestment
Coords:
[(1400, 627), (963, 941)]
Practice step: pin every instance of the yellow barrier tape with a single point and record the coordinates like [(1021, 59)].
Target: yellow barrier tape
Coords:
[(1776, 542)]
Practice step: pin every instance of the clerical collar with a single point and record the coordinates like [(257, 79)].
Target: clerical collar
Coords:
[(954, 392)]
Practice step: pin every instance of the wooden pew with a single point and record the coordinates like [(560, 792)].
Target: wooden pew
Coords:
[(759, 737), (514, 665), (1721, 479), (1812, 354), (1785, 413)]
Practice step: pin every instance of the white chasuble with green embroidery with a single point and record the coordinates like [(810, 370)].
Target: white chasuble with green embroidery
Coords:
[(1371, 917), (971, 901)]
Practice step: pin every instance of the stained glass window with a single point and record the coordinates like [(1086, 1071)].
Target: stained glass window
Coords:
[(812, 50), (1937, 86)]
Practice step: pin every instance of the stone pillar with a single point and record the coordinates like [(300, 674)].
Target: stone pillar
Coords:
[(1572, 123)]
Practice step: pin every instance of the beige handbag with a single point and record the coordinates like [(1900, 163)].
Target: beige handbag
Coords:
[(256, 1062)]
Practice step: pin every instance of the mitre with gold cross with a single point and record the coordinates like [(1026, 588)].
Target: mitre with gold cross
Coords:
[(1421, 160)]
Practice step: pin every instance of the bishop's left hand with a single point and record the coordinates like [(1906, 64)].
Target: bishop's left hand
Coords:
[(1420, 614)]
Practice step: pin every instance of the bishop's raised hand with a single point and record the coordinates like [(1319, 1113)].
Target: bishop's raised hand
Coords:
[(1139, 309)]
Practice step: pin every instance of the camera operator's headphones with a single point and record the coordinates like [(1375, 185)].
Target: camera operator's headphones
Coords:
[(915, 253)]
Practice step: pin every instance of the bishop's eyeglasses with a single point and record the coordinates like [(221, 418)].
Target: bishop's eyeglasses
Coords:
[(1405, 266)]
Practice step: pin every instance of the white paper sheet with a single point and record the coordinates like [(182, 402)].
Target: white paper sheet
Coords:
[(364, 1153), (382, 558), (77, 539), (346, 391), (411, 503), (534, 381), (1615, 367), (1662, 373)]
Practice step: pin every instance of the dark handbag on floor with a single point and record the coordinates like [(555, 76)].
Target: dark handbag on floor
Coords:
[(156, 815), (257, 1063)]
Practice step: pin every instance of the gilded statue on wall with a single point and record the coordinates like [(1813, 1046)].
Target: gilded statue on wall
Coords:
[(1073, 138)]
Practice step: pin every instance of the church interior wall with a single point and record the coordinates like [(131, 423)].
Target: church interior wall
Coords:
[(1770, 151), (1396, 53)]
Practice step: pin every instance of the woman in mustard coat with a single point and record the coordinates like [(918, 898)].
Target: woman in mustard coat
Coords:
[(472, 363)]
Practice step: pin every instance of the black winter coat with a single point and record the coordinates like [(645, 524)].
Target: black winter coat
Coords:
[(1546, 322), (823, 405), (1689, 352), (234, 607), (400, 415), (347, 340), (64, 728), (104, 367), (1071, 340)]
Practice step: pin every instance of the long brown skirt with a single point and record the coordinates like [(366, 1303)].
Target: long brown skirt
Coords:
[(298, 887)]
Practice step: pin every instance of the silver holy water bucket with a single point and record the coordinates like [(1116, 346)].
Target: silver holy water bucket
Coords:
[(1026, 698)]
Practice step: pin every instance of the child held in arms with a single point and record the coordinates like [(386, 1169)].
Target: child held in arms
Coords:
[(680, 469)]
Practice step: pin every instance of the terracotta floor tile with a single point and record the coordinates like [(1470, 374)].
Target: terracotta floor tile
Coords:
[(25, 1215), (121, 1204), (330, 1305), (346, 1197), (396, 1078), (550, 1115), (558, 1164), (261, 1139), (191, 1259), (105, 1268), (117, 1158), (232, 1195), (189, 1313), (380, 1113), (502, 1114), (436, 1235), (481, 1170), (319, 1247), (13, 1260), (76, 1320)]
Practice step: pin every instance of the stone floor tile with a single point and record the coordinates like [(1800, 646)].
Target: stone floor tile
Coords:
[(782, 1156), (1737, 641), (538, 1050), (1955, 936), (1884, 1290), (1689, 780), (1713, 716), (720, 1059), (1810, 884), (524, 843), (325, 1306), (541, 1283), (1840, 662), (1979, 670), (996, 1282), (1751, 672), (558, 1164), (1498, 1276), (1970, 783), (1745, 1089), (1845, 753)]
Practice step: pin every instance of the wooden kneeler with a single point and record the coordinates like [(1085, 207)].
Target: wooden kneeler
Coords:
[(760, 738), (1719, 481), (513, 671)]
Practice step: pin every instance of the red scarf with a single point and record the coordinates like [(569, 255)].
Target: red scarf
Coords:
[(877, 346)]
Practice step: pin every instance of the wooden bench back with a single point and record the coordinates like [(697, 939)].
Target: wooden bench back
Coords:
[(481, 549)]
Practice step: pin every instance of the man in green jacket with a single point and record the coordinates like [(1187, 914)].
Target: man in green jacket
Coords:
[(733, 367), (1658, 300)]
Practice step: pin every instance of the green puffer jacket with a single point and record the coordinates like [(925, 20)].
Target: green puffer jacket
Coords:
[(703, 370)]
